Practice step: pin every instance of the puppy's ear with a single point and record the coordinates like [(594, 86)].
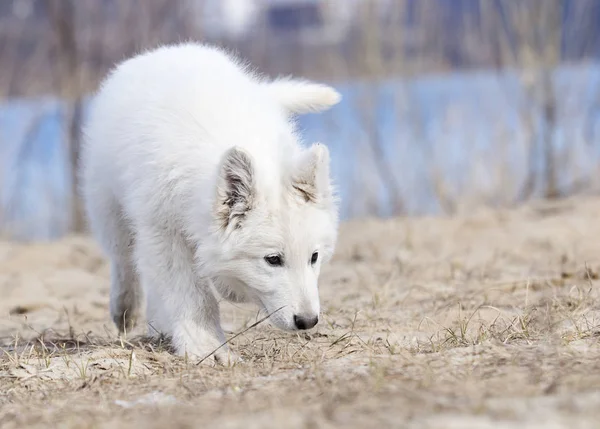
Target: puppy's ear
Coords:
[(311, 178), (236, 189)]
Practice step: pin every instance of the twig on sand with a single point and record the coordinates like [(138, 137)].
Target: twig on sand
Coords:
[(255, 324)]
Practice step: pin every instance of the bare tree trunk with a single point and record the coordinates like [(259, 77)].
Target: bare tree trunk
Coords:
[(62, 15), (74, 123), (549, 115), (528, 187), (377, 143), (531, 40), (374, 67)]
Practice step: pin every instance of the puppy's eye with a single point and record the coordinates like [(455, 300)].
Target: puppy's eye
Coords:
[(314, 258), (274, 260)]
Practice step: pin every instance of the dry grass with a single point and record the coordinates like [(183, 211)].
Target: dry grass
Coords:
[(490, 320)]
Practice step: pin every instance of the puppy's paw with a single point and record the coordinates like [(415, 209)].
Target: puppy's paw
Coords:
[(205, 349), (222, 357)]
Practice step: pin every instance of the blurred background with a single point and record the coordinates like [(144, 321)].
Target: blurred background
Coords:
[(448, 104)]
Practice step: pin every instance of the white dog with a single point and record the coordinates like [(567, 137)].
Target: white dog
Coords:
[(194, 181)]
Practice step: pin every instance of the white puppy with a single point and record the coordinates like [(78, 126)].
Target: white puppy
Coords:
[(194, 181)]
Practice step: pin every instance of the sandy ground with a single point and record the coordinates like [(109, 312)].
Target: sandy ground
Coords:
[(486, 320)]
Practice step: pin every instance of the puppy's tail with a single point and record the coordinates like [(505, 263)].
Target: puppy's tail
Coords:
[(300, 96)]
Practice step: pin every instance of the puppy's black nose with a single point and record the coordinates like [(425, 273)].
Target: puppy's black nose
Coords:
[(302, 322)]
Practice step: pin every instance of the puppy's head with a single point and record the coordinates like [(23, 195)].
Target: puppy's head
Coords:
[(273, 240)]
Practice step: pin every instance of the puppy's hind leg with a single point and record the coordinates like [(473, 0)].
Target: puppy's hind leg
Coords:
[(125, 290), (118, 241)]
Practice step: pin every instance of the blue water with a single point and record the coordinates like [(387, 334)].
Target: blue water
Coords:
[(466, 130)]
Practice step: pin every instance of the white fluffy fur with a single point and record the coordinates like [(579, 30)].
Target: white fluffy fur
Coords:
[(192, 173)]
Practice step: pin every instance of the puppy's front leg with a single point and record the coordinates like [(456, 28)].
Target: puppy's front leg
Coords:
[(180, 305), (200, 332)]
